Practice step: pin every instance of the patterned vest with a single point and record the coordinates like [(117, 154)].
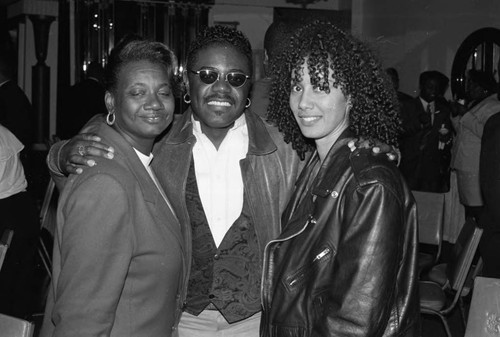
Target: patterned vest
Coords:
[(228, 277)]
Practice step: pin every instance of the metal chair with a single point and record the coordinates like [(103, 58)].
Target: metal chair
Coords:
[(5, 243), (430, 210), (434, 300)]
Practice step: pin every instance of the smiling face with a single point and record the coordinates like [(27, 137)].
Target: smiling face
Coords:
[(143, 103), (219, 104), (320, 115)]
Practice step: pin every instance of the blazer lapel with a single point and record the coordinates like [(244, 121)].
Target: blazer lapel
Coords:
[(158, 206)]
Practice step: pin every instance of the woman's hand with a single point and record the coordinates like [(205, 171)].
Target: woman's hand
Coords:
[(75, 154)]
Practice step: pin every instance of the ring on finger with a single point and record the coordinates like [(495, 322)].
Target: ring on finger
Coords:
[(81, 150)]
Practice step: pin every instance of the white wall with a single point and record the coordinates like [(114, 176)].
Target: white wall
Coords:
[(410, 35), (255, 16), (418, 35)]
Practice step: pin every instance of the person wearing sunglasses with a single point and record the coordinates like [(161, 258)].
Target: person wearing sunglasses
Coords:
[(228, 175)]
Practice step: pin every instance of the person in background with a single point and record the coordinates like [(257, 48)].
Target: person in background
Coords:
[(427, 136), (81, 101), (394, 76), (469, 121), (20, 214), (275, 37), (16, 113), (345, 262), (119, 259), (489, 175)]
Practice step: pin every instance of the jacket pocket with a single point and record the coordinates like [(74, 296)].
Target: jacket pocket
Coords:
[(288, 331), (297, 278)]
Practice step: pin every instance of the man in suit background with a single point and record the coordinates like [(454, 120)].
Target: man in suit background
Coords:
[(426, 141), (81, 101)]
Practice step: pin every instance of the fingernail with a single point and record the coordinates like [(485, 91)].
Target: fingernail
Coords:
[(79, 171), (376, 149), (110, 149), (110, 155), (91, 163)]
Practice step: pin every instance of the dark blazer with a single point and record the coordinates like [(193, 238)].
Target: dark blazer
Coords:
[(489, 167), (423, 164), (78, 104), (119, 260), (345, 263), (16, 113)]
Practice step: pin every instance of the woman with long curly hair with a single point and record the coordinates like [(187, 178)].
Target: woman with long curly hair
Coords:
[(345, 262)]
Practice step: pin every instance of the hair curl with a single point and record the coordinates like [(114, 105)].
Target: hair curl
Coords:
[(354, 69), (220, 36), (133, 49)]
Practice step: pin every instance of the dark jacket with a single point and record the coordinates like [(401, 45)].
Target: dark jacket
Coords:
[(489, 166), (118, 259), (424, 165), (345, 263), (269, 172)]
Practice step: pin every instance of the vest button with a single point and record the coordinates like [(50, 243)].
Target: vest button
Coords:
[(211, 296), (216, 256)]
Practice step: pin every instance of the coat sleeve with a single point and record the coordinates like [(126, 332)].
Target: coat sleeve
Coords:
[(490, 165), (366, 266), (95, 244)]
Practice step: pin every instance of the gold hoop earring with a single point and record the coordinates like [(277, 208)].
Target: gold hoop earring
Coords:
[(187, 98), (249, 102), (110, 118)]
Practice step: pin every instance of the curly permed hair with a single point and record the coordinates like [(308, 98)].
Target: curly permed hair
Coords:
[(354, 69), (220, 35)]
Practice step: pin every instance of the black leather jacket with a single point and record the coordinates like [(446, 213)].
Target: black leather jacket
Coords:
[(345, 264)]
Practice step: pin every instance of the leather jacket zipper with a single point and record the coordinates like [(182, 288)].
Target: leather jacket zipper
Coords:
[(310, 220)]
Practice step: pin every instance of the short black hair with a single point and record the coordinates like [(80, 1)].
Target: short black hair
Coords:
[(220, 36), (277, 36), (484, 79), (354, 69), (132, 49), (434, 75)]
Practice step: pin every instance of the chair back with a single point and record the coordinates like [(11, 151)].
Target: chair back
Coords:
[(430, 210), (463, 253), (15, 327), (4, 244)]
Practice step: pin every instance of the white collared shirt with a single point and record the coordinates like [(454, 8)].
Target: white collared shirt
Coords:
[(218, 175)]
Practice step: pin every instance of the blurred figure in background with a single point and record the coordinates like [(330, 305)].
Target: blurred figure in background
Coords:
[(16, 113), (276, 35), (394, 77), (81, 101), (468, 121), (19, 213), (427, 136)]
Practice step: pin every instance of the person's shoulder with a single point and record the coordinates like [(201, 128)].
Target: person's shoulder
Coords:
[(369, 168)]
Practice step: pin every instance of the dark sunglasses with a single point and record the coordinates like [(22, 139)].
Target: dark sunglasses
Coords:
[(209, 76)]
